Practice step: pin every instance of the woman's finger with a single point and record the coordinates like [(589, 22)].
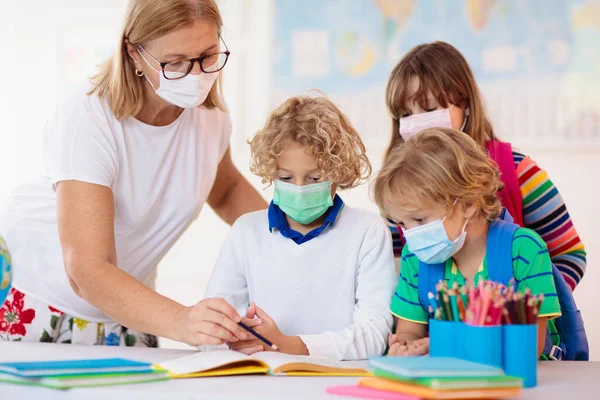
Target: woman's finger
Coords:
[(215, 330), (223, 321), (223, 307), (199, 339)]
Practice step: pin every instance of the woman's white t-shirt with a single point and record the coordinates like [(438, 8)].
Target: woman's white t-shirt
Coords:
[(160, 178)]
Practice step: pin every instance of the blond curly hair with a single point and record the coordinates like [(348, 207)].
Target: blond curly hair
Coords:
[(317, 124), (435, 168)]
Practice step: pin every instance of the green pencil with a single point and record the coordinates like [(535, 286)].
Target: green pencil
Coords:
[(454, 306), (446, 302)]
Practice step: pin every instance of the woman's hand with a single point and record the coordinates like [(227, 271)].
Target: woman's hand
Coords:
[(210, 322)]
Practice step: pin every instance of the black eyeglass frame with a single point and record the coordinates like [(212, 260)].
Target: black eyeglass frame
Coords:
[(192, 61)]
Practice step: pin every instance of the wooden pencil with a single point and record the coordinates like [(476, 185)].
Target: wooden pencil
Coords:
[(258, 336)]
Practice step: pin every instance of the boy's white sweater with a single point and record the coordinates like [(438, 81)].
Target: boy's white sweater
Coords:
[(333, 291)]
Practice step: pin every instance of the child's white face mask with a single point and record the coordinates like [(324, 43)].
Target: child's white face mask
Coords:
[(416, 123), (430, 242)]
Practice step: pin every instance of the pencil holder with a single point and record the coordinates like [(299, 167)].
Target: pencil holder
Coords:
[(443, 336), (481, 344), (520, 353)]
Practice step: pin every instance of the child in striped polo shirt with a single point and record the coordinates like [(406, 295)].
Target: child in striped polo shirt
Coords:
[(318, 274), (441, 188)]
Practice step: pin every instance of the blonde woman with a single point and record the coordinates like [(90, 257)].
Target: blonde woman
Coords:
[(129, 163)]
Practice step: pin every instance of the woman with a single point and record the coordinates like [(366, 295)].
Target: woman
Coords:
[(433, 86), (129, 162)]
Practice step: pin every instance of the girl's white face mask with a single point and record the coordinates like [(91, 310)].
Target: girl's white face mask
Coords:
[(416, 123), (187, 92)]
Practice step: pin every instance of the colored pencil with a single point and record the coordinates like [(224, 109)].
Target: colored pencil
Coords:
[(461, 308), (447, 308), (455, 313), (432, 301), (506, 316)]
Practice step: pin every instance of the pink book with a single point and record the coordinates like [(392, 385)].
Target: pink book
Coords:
[(367, 393)]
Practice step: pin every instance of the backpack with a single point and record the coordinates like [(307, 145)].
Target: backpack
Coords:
[(511, 196), (573, 339)]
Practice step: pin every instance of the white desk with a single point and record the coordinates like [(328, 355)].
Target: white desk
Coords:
[(556, 380)]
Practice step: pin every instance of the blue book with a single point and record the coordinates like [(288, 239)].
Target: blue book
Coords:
[(433, 367), (43, 369)]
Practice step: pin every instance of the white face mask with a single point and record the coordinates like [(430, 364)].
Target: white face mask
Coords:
[(430, 242), (416, 123), (187, 92)]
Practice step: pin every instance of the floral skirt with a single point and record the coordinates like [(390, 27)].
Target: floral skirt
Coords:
[(24, 318)]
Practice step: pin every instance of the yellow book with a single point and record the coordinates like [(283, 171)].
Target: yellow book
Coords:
[(224, 362), (428, 393)]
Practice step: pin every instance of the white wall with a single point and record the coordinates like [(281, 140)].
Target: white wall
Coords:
[(34, 78)]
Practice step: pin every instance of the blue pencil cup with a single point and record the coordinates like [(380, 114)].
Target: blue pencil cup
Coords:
[(520, 353), (443, 337), (481, 344)]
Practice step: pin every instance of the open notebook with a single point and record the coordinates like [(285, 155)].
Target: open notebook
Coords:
[(227, 362)]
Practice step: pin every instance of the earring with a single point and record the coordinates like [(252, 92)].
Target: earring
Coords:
[(139, 73)]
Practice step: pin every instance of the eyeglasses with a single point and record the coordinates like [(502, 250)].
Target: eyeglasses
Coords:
[(209, 63)]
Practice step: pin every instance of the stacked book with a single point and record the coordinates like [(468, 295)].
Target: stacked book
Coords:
[(404, 378), (80, 373)]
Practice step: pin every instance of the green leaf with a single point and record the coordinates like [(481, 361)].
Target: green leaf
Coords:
[(71, 324), (17, 339), (68, 341), (53, 321), (130, 340), (46, 338)]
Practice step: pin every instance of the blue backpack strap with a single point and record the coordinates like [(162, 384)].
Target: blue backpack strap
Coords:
[(499, 250), (429, 276), (506, 216)]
